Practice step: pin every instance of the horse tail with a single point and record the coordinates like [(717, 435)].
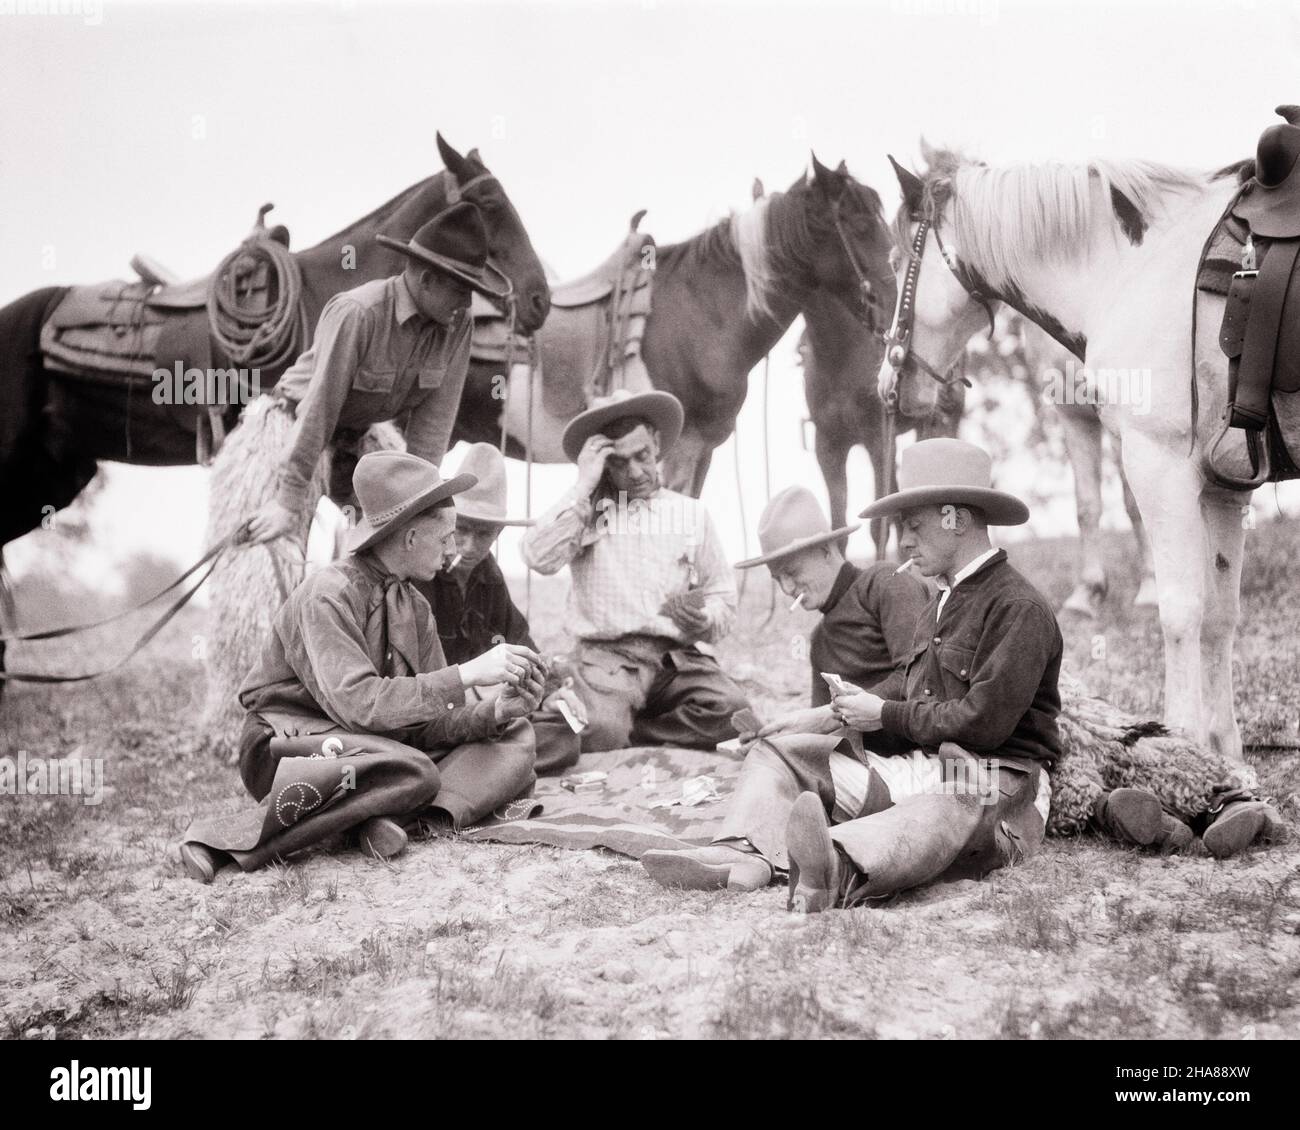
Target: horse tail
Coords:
[(244, 591)]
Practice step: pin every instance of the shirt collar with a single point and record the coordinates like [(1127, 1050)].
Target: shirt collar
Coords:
[(843, 582), (404, 304), (970, 568)]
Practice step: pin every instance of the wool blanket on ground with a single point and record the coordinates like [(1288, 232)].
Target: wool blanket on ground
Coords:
[(652, 797)]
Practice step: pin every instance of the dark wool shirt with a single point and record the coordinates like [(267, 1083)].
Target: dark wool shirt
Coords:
[(867, 626), (984, 676), (478, 618)]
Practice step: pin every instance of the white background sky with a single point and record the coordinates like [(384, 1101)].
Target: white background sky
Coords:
[(162, 128)]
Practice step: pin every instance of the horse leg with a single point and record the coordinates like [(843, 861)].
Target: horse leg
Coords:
[(686, 465), (1146, 594), (1168, 489), (1082, 430), (1225, 523), (832, 455)]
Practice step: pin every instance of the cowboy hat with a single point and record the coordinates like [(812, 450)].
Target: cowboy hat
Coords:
[(661, 410), (486, 501), (455, 243), (936, 472), (393, 487), (793, 521)]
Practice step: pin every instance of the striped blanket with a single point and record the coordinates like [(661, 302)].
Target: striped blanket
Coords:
[(640, 807)]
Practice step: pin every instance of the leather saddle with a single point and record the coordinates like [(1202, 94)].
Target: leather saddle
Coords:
[(591, 342), (1259, 438)]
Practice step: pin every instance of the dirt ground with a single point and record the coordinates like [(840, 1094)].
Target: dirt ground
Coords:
[(103, 935)]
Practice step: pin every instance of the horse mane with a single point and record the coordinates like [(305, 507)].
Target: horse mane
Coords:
[(1007, 218), (384, 210)]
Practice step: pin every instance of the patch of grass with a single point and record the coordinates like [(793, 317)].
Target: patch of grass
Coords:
[(755, 1009)]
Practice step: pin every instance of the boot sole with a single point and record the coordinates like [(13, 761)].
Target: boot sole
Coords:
[(1231, 835), (198, 864), (808, 842), (381, 838), (1138, 815), (677, 869)]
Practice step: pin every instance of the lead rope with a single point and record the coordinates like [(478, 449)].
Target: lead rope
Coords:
[(528, 471), (767, 475), (889, 436)]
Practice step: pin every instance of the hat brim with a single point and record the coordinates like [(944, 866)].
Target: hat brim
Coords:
[(999, 508), (799, 546), (662, 410), (363, 535), (491, 519), (495, 285)]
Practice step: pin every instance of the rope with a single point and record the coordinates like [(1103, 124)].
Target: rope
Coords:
[(210, 559), (266, 336)]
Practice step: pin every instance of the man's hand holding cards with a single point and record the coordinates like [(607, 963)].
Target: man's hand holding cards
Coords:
[(856, 708), (686, 610)]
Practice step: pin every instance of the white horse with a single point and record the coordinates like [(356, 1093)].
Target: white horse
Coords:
[(1048, 364), (1101, 255)]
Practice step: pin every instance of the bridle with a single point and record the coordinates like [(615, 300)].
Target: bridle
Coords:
[(898, 342), (456, 193), (866, 291)]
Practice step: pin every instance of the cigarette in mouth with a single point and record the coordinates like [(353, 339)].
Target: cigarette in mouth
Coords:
[(798, 600), (455, 561), (905, 566)]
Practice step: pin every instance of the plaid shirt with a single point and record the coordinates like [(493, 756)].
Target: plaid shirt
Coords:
[(627, 560), (374, 358)]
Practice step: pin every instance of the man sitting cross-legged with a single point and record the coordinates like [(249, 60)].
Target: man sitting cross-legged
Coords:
[(354, 719), (650, 585), (472, 605), (961, 734)]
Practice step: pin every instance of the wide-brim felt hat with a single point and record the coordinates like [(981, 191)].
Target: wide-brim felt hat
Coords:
[(790, 523), (661, 410), (393, 487), (485, 501), (455, 243), (937, 472)]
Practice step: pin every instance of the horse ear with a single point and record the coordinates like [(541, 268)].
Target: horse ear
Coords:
[(473, 155), (842, 168), (756, 189), (454, 162), (824, 179), (910, 183)]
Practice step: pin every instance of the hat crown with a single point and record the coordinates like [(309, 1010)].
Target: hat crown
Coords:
[(945, 463), (456, 233), (792, 515), (487, 498), (384, 481)]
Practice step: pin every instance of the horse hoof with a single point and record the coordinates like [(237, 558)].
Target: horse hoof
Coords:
[(1147, 596)]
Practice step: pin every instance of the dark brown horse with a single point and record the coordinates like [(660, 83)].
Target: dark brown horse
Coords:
[(55, 428), (722, 299), (841, 358)]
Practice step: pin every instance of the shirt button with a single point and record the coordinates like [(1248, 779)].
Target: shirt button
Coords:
[(928, 691), (937, 640), (963, 670), (451, 706)]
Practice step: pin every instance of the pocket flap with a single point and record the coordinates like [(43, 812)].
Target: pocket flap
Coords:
[(431, 376), (957, 660), (374, 380)]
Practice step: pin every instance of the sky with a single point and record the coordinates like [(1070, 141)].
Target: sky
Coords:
[(128, 128)]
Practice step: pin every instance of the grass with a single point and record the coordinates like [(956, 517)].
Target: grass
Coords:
[(103, 935)]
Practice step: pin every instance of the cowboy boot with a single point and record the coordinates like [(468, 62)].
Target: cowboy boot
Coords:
[(201, 863), (709, 868), (913, 842), (1135, 816), (381, 837), (1240, 822)]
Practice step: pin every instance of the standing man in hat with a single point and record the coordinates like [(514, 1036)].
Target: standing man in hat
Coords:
[(471, 601), (975, 706), (354, 717), (868, 615), (384, 349), (651, 586)]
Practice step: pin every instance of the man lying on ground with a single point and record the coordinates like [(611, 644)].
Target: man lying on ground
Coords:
[(355, 721), (650, 585)]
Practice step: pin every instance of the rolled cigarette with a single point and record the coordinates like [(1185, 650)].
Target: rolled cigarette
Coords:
[(456, 560), (798, 600), (905, 566)]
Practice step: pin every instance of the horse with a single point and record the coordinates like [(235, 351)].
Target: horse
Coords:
[(55, 427), (840, 358), (1047, 362), (1101, 255), (721, 300)]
